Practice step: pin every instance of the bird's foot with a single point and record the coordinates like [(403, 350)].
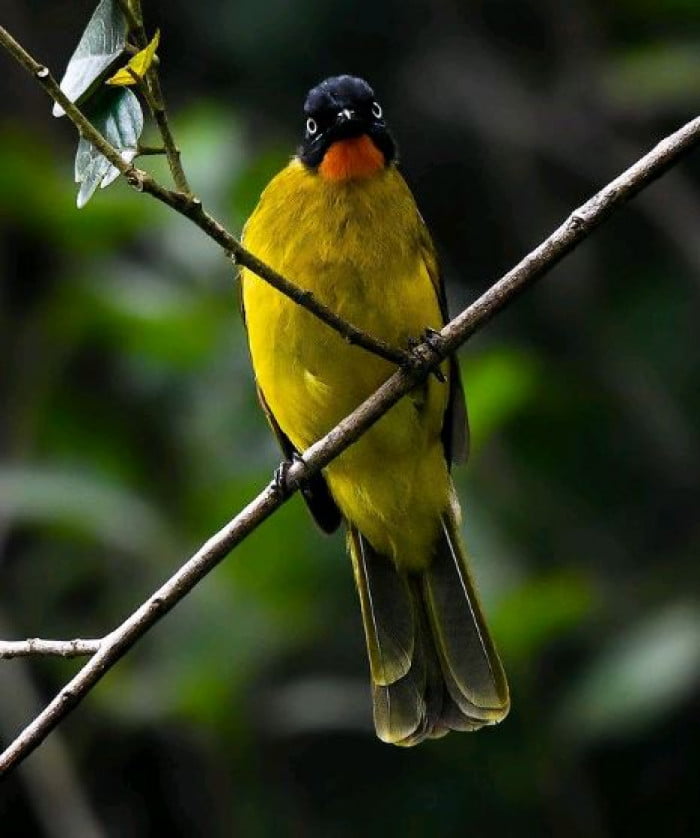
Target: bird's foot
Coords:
[(280, 478), (434, 340)]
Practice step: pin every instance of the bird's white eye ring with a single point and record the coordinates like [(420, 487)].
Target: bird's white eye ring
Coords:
[(377, 110), (311, 126)]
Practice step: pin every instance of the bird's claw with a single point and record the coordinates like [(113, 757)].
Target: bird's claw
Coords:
[(434, 341), (280, 477)]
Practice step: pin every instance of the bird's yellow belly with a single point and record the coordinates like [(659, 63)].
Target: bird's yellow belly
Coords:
[(393, 482)]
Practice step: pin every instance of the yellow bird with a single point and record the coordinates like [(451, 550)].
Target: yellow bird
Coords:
[(341, 222)]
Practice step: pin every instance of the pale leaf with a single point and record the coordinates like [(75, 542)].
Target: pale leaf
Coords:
[(101, 45)]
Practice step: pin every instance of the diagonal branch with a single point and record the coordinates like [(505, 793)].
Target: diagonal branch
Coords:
[(578, 226), (191, 207)]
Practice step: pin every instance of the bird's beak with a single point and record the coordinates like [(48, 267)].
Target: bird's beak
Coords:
[(348, 123)]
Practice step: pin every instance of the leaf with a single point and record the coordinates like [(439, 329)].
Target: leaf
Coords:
[(117, 115), (138, 66), (102, 44)]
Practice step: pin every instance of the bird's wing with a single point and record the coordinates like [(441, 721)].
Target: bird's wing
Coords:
[(315, 490), (455, 428)]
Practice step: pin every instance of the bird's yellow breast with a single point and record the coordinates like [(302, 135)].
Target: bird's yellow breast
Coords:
[(357, 246)]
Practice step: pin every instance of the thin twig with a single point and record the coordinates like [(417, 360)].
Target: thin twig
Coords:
[(50, 780), (154, 96), (36, 646), (150, 150), (191, 207), (575, 229), (131, 20), (157, 105)]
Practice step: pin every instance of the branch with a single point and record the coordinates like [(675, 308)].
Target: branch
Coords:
[(133, 23), (154, 96), (191, 207), (50, 782), (149, 150), (427, 355), (60, 648), (156, 103)]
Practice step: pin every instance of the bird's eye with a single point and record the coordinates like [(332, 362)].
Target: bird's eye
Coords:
[(377, 110), (311, 126)]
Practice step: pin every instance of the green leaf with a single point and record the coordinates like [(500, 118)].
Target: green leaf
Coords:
[(101, 47), (117, 115), (638, 678)]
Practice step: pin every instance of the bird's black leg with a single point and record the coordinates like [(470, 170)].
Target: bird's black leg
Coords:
[(434, 340), (279, 479)]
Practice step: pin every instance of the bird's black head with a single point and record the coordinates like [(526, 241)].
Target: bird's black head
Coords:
[(345, 108)]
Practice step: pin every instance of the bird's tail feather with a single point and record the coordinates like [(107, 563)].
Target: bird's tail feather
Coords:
[(433, 665)]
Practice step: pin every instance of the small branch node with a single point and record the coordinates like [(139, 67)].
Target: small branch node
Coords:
[(135, 177), (42, 73), (157, 603)]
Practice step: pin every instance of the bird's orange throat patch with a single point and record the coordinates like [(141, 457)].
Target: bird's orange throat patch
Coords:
[(352, 159)]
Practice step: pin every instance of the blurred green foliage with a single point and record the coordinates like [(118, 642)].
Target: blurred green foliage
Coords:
[(130, 432)]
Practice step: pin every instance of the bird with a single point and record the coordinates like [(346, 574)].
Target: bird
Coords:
[(341, 222)]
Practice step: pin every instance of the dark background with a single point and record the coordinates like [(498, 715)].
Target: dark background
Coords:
[(129, 432)]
